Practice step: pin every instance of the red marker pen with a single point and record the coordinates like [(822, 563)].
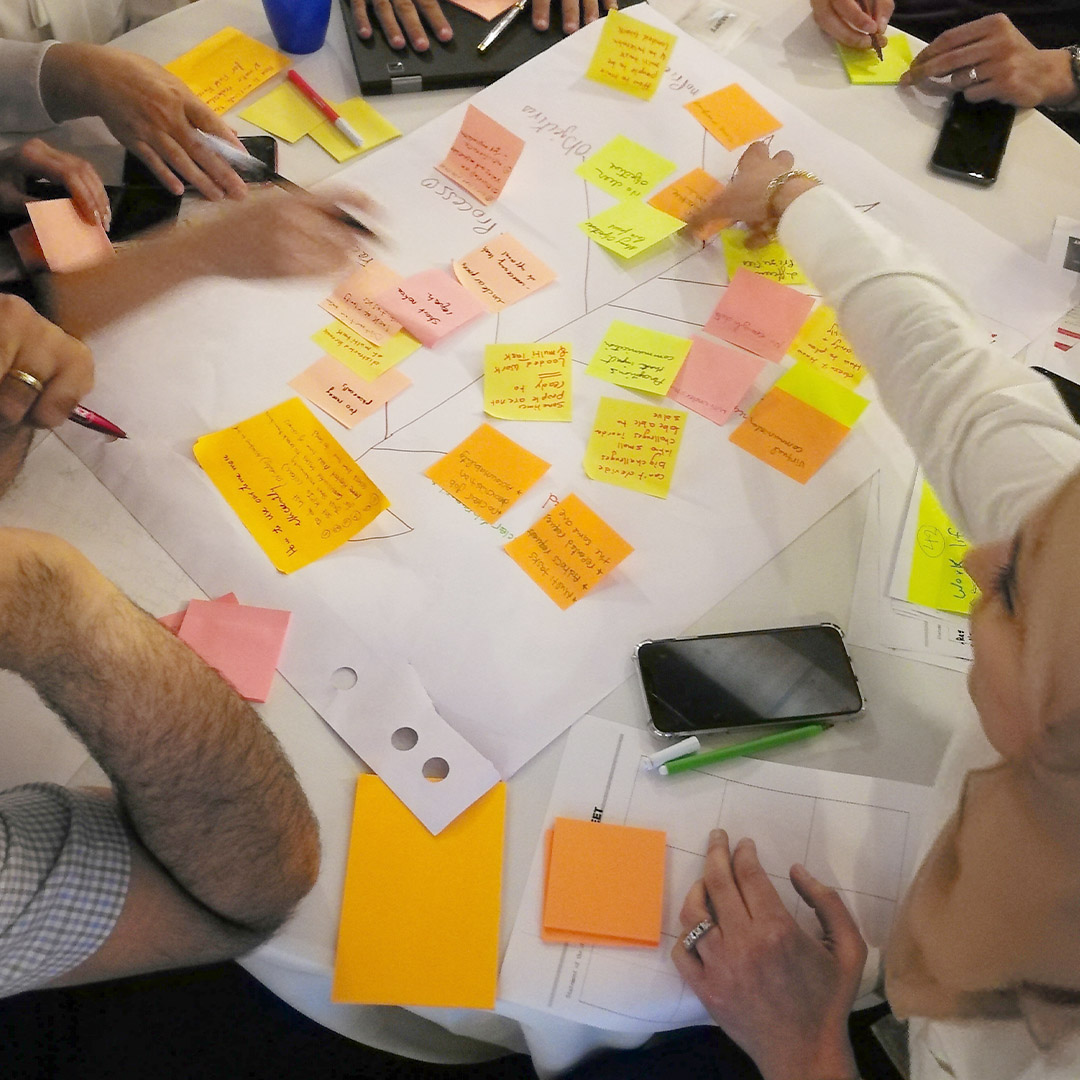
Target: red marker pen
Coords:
[(87, 418), (325, 107)]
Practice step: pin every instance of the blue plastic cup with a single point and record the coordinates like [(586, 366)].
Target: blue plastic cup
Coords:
[(299, 26)]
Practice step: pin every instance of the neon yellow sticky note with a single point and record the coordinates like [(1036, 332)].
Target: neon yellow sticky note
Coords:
[(630, 227), (824, 394), (227, 67), (638, 357), (285, 113), (634, 445), (938, 578), (625, 169), (399, 877), (771, 260), (292, 485), (528, 382), (631, 55), (732, 116), (370, 125), (364, 357), (821, 344), (864, 68)]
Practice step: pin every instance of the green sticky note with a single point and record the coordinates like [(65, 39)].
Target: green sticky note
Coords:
[(771, 261), (938, 578), (639, 358), (865, 69), (370, 125), (630, 227), (285, 113), (625, 169), (822, 393)]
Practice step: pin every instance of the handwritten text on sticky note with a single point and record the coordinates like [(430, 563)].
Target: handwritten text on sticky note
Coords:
[(732, 116), (631, 55), (686, 196), (630, 227), (502, 271), (364, 357), (430, 305), (227, 67), (625, 169), (770, 260), (638, 357), (821, 344), (634, 445), (483, 155), (938, 578), (760, 315), (353, 302), (336, 390), (528, 382), (714, 379)]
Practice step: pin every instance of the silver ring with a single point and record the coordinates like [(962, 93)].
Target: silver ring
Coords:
[(973, 76), (32, 381), (690, 941)]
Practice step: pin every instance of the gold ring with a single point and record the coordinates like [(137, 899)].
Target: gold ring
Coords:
[(32, 381)]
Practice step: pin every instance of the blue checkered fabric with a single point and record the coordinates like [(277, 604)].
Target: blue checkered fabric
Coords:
[(64, 870)]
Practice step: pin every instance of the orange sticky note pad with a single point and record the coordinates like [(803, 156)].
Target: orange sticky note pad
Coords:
[(487, 473), (568, 551), (338, 391), (685, 196), (398, 878), (502, 271), (732, 116), (353, 302), (483, 156), (67, 241), (605, 884)]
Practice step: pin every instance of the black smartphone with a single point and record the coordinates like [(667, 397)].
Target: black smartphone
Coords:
[(752, 679), (263, 147), (972, 140)]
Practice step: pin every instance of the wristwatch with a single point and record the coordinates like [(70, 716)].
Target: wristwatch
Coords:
[(1074, 65)]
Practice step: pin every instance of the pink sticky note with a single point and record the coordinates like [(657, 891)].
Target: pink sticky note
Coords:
[(243, 643), (344, 395), (430, 305), (352, 302), (174, 621), (482, 157), (68, 242), (714, 379), (486, 9), (758, 314)]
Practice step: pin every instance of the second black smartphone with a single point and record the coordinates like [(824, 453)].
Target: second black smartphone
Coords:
[(973, 140), (263, 147)]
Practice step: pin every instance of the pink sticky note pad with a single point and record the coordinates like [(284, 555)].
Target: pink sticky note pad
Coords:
[(173, 622), (760, 315), (242, 643), (27, 247), (430, 305), (68, 242), (714, 379), (344, 395), (483, 155)]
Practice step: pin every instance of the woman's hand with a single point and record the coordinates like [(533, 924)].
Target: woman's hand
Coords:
[(36, 160), (781, 994), (847, 22)]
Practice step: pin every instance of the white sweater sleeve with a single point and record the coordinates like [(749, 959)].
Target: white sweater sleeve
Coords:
[(993, 437), (21, 107)]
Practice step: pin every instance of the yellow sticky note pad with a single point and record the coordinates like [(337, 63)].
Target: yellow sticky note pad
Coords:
[(824, 394), (864, 68), (624, 168), (227, 67), (487, 473), (732, 116), (285, 113), (631, 55), (639, 358), (364, 357), (771, 260), (568, 551), (630, 227), (370, 125), (528, 382), (293, 486), (634, 445), (398, 878), (938, 578), (821, 344)]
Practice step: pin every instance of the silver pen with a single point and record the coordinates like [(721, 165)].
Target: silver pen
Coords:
[(496, 31)]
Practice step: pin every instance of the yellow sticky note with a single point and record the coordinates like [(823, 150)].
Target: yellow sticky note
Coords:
[(625, 169), (630, 227), (824, 394), (227, 67), (568, 551), (864, 68), (771, 260), (821, 344), (487, 473), (528, 382), (285, 113), (293, 486), (938, 578), (353, 302), (732, 116), (370, 125), (399, 878), (634, 445), (631, 55), (639, 358), (364, 357)]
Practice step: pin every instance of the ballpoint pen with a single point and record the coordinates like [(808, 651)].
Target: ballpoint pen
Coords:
[(497, 30), (766, 742), (87, 418), (325, 107), (876, 40)]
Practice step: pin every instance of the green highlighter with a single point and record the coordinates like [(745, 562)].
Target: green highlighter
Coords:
[(754, 746)]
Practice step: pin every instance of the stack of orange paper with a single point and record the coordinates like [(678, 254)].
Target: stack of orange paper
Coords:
[(605, 884)]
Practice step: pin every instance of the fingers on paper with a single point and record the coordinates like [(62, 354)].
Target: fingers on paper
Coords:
[(841, 932)]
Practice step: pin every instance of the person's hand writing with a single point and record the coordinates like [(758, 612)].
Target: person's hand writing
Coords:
[(779, 993), (989, 59), (846, 21), (575, 13), (147, 109), (36, 160), (410, 14)]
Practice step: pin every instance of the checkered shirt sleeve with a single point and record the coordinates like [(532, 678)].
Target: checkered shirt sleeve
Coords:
[(64, 870)]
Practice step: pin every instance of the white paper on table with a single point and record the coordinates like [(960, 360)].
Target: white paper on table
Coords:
[(858, 834)]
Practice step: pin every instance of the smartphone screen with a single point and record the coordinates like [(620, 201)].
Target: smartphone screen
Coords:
[(263, 147), (972, 140), (722, 682)]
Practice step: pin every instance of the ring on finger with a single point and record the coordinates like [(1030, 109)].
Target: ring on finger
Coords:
[(32, 381), (973, 76), (695, 935)]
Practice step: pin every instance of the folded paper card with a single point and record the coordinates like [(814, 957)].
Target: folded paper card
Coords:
[(760, 315), (863, 67), (686, 196), (625, 169), (353, 302), (605, 884), (67, 241), (714, 379), (938, 578), (630, 227), (227, 67), (638, 357), (430, 305), (364, 357), (631, 55), (770, 260), (400, 877), (634, 445), (502, 271), (732, 116), (528, 382), (821, 344), (482, 157), (336, 389)]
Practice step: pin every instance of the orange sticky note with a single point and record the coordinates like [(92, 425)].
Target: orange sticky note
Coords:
[(631, 55), (528, 382), (732, 116), (66, 240), (760, 315), (227, 67), (336, 390), (502, 271), (605, 884), (821, 344), (353, 302), (487, 473), (714, 379), (483, 156), (398, 878), (686, 196), (568, 551), (364, 357), (634, 445)]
